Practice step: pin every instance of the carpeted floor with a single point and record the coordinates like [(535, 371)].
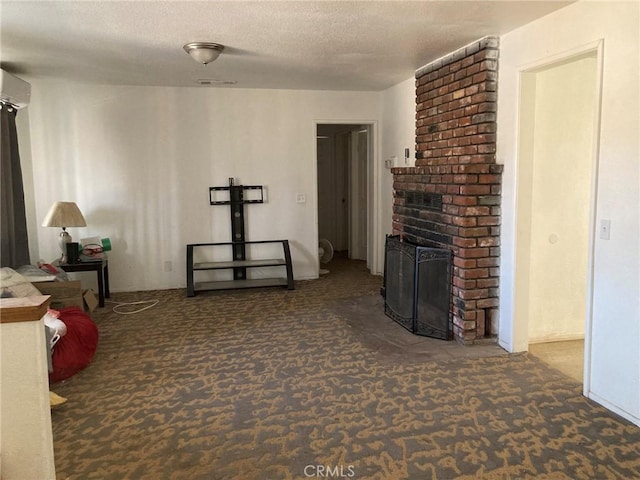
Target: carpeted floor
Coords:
[(277, 384)]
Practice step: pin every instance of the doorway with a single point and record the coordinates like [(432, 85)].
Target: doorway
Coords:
[(556, 207), (343, 153)]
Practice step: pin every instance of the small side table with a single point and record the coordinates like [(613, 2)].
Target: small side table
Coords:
[(100, 266)]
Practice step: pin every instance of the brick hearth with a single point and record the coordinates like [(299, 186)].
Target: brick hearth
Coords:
[(451, 198)]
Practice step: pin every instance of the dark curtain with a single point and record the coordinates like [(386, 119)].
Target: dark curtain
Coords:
[(14, 249)]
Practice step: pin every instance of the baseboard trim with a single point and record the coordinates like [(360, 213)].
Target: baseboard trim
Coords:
[(557, 338), (617, 410)]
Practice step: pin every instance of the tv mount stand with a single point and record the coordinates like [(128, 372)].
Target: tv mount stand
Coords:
[(239, 262)]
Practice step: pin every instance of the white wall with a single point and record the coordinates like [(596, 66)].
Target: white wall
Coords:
[(613, 341), (397, 133), (565, 100), (139, 162)]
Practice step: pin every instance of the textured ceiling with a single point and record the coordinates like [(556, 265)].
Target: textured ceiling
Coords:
[(319, 45)]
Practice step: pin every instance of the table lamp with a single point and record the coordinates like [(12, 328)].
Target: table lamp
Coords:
[(64, 214)]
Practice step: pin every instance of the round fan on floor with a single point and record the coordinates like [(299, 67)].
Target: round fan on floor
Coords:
[(325, 252)]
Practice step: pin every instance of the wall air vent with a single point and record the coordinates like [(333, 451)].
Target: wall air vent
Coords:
[(212, 82)]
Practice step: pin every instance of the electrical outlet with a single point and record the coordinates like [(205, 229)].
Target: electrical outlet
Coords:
[(301, 198)]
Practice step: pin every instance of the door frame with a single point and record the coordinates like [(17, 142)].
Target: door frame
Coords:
[(356, 199), (520, 322), (374, 174)]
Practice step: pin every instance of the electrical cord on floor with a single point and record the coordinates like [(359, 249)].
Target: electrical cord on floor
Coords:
[(152, 303)]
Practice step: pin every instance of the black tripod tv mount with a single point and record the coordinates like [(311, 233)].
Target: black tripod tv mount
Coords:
[(239, 263), (237, 202)]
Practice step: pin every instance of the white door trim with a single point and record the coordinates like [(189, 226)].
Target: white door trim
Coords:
[(519, 331), (374, 172)]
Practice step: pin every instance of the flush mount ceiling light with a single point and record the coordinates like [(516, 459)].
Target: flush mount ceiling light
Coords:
[(203, 52)]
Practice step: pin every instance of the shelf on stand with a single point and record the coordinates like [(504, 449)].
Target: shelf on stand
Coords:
[(239, 268)]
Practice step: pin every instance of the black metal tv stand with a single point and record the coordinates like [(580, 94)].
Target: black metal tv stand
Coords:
[(239, 262)]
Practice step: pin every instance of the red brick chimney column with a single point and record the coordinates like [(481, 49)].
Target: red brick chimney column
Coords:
[(456, 99)]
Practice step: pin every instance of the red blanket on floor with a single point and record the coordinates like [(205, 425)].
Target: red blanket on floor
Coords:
[(76, 349)]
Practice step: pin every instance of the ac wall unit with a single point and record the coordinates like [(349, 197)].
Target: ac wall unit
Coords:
[(14, 90)]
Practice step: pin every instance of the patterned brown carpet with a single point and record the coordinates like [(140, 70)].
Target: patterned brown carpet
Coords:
[(276, 384)]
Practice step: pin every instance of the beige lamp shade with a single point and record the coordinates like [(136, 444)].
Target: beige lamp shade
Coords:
[(64, 214)]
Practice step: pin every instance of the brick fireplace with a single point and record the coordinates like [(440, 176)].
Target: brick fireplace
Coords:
[(451, 198)]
